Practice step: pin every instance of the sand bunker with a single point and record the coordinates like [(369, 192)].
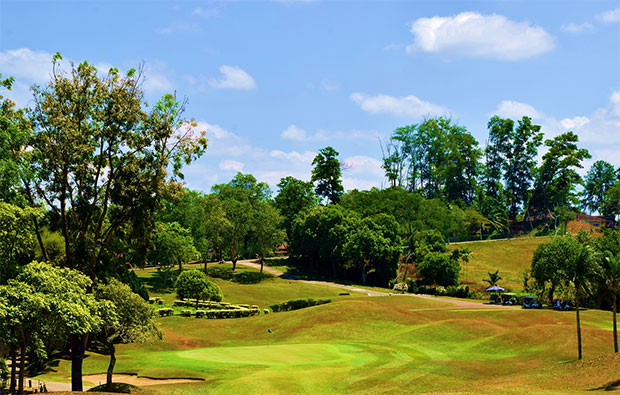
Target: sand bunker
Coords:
[(135, 380)]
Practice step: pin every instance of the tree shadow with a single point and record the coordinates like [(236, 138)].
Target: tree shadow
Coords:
[(160, 281), (251, 277), (611, 386)]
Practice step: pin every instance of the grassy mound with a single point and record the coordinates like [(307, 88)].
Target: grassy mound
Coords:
[(118, 388)]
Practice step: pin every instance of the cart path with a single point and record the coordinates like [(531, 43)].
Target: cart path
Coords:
[(456, 303)]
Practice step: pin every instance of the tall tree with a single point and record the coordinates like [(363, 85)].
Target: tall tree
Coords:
[(500, 131), (557, 177), (172, 246), (597, 182), (130, 320), (327, 175), (99, 161), (294, 197)]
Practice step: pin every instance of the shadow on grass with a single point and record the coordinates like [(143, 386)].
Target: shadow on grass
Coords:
[(611, 386), (240, 277), (160, 281)]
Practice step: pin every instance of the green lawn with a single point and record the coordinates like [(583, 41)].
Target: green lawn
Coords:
[(511, 257), (374, 345)]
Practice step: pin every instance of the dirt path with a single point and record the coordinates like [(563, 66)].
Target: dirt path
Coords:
[(457, 303)]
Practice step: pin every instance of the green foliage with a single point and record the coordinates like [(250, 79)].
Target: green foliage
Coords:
[(557, 177), (99, 161), (514, 150), (297, 304), (165, 312), (327, 175), (173, 246), (438, 269), (16, 238), (54, 246), (194, 284), (134, 317), (493, 278), (294, 198), (597, 182), (4, 373)]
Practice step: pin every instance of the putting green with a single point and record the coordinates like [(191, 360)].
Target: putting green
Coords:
[(279, 354)]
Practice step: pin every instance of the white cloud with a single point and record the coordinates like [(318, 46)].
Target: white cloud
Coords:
[(29, 65), (231, 165), (516, 110), (294, 133), (233, 77), (598, 132), (610, 16), (306, 157), (574, 123), (472, 35), (408, 106), (179, 26), (362, 172), (577, 28), (205, 12)]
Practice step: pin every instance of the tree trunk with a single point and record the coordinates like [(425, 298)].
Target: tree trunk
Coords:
[(261, 267), (334, 269), (22, 364), (108, 383), (578, 327), (234, 262), (13, 383), (551, 292), (364, 272), (615, 325), (78, 348)]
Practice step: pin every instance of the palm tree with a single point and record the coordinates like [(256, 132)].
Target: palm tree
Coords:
[(611, 275), (579, 271), (493, 278)]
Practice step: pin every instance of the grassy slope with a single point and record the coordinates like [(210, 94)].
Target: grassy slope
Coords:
[(375, 345), (511, 257)]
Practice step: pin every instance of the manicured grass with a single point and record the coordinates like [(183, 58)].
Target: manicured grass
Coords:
[(270, 290), (370, 345), (511, 257)]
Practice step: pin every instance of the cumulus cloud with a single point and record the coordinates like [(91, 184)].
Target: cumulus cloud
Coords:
[(231, 165), (473, 35), (362, 172), (294, 133), (233, 77), (516, 110), (599, 132), (609, 16), (577, 28), (408, 106), (29, 65), (329, 86)]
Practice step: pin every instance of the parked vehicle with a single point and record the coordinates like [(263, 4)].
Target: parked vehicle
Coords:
[(530, 302)]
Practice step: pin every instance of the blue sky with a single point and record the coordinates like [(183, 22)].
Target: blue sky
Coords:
[(272, 82)]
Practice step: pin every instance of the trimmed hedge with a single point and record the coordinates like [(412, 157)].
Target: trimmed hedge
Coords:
[(297, 304), (186, 313), (165, 312), (156, 300), (218, 314), (200, 313)]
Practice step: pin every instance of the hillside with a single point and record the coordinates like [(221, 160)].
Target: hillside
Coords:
[(361, 344), (510, 256)]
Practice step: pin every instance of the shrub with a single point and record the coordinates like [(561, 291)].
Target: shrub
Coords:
[(156, 300), (200, 313), (401, 287), (186, 313), (297, 304), (255, 307), (165, 312), (194, 284), (265, 311), (438, 268)]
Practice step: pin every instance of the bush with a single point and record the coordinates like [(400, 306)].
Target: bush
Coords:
[(165, 312), (401, 287), (297, 304), (265, 311), (200, 313), (194, 284), (186, 313), (220, 314), (156, 300), (438, 268)]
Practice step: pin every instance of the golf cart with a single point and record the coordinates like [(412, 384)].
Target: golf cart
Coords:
[(530, 302), (509, 299)]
